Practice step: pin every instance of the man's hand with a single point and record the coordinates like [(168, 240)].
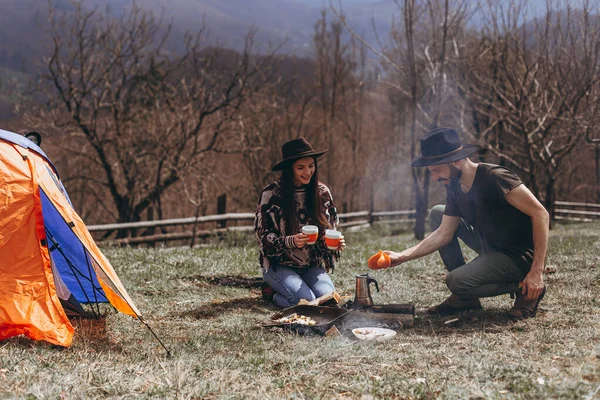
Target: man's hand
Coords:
[(395, 258), (532, 285), (300, 240)]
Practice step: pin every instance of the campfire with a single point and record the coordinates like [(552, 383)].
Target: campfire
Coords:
[(326, 317)]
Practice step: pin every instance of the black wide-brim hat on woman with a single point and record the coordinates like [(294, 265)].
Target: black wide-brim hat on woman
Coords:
[(294, 150), (442, 146)]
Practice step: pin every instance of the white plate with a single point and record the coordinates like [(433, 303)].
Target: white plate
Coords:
[(371, 333)]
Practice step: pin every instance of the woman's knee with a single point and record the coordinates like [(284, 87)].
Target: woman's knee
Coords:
[(318, 281), (322, 288), (285, 283), (295, 294), (304, 293), (435, 216)]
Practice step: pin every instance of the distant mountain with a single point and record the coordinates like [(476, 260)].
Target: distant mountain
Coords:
[(24, 39), (21, 35), (23, 23), (276, 20)]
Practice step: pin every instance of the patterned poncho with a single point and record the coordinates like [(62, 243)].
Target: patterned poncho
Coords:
[(278, 249)]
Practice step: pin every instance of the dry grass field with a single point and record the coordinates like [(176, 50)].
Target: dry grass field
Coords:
[(211, 324)]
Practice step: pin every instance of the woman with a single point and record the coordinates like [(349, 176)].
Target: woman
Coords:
[(292, 268)]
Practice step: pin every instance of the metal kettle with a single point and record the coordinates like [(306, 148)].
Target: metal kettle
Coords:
[(362, 292)]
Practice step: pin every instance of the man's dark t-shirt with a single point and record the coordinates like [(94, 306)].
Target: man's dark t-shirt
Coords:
[(502, 227)]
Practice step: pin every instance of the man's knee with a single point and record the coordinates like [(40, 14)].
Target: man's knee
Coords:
[(456, 283), (435, 216)]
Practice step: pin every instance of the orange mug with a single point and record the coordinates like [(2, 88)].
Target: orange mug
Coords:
[(312, 232), (332, 239)]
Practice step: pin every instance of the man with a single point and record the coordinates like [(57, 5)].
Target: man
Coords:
[(490, 209), (34, 136)]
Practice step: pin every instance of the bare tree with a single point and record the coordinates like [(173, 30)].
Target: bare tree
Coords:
[(355, 128), (592, 119), (279, 112), (334, 84), (194, 188), (419, 65), (342, 102), (532, 87), (139, 115), (326, 107)]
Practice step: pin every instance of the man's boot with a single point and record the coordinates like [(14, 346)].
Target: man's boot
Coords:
[(454, 305), (524, 308)]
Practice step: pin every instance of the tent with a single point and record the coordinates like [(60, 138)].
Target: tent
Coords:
[(49, 263)]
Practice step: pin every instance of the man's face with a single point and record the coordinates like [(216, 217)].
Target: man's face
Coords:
[(445, 173)]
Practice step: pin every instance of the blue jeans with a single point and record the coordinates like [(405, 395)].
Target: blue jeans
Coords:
[(490, 274), (293, 284)]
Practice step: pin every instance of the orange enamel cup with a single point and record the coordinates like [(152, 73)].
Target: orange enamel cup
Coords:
[(312, 232), (332, 239)]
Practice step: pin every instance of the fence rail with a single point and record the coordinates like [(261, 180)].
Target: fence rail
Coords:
[(355, 219), (586, 212), (564, 210), (173, 222)]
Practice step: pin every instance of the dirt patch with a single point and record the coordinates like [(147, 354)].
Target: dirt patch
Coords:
[(227, 280), (488, 321), (90, 328), (217, 308)]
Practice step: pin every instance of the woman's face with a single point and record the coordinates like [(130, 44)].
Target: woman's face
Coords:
[(303, 169)]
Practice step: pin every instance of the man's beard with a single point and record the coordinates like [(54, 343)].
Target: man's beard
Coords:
[(455, 175)]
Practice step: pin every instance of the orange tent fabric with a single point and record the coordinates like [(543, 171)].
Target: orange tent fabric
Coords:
[(29, 304)]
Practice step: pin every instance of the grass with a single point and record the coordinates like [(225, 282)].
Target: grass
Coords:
[(220, 351)]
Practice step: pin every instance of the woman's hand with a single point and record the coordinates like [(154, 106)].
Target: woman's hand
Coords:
[(342, 245), (300, 240)]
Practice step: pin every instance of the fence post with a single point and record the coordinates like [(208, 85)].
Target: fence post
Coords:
[(597, 172), (222, 209), (151, 230), (371, 205)]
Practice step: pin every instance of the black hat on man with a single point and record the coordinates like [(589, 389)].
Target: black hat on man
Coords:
[(442, 146)]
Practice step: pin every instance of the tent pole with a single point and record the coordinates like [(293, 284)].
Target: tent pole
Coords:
[(157, 338)]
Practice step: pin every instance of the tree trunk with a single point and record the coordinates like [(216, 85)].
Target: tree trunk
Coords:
[(550, 198), (422, 202), (125, 215), (598, 173), (195, 227)]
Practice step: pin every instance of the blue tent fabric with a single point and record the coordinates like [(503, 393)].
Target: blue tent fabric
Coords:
[(71, 259)]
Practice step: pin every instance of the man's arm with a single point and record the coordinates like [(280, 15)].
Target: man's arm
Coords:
[(522, 199), (438, 239)]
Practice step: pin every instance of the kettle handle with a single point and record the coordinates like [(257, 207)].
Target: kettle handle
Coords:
[(372, 280)]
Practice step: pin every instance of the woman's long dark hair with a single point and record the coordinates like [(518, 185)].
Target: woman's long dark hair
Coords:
[(313, 201)]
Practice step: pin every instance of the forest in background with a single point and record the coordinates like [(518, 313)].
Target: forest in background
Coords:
[(142, 130)]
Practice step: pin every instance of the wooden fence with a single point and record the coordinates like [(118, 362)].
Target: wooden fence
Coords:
[(570, 211), (353, 220)]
